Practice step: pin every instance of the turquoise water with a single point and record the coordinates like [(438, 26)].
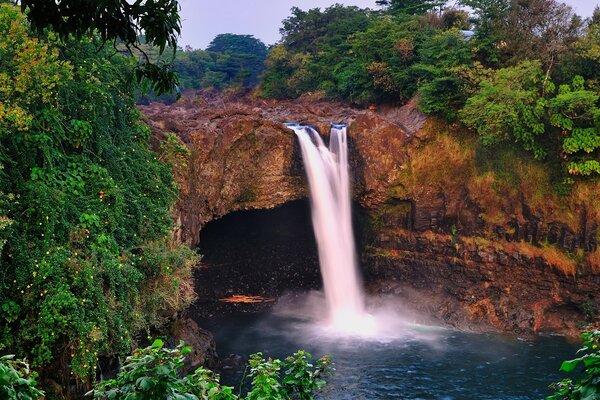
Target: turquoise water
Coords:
[(418, 363)]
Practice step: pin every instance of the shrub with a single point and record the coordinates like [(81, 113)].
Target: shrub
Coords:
[(587, 387), (153, 373), (17, 381)]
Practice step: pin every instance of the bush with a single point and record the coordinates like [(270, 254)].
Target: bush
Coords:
[(17, 381), (587, 387), (153, 373), (83, 265)]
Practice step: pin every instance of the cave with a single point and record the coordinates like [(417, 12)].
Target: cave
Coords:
[(258, 253)]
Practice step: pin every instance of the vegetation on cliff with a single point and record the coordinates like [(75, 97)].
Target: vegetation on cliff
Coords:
[(532, 82), (86, 261)]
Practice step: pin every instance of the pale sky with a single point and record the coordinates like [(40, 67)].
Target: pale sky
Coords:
[(204, 19)]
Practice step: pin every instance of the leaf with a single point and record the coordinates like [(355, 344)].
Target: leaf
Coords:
[(569, 366), (145, 383)]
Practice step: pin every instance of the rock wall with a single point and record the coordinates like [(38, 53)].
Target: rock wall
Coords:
[(243, 157), (423, 188), (478, 286)]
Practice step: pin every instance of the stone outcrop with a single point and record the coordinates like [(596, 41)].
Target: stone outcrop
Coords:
[(422, 190), (243, 157), (479, 286), (204, 353)]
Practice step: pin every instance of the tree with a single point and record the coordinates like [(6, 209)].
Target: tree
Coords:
[(540, 29), (157, 21), (518, 103), (237, 44), (313, 30), (585, 58), (411, 7), (85, 264), (488, 16), (510, 106), (315, 44), (383, 53), (441, 91), (575, 112), (511, 31)]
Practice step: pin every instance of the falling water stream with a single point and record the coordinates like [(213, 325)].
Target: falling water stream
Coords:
[(329, 182)]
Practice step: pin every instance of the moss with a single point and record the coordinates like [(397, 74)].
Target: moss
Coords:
[(247, 195), (504, 182)]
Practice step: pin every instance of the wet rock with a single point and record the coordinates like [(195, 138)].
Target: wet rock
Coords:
[(243, 158), (233, 362), (204, 353), (478, 293)]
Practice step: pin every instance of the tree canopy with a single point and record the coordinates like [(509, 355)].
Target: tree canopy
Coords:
[(84, 263), (495, 71), (122, 21)]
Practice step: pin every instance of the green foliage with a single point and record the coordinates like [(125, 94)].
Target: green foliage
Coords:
[(17, 382), (301, 379), (510, 106), (294, 378), (411, 6), (237, 44), (369, 57), (575, 111), (153, 373), (510, 32), (314, 30), (517, 103), (89, 202), (441, 55), (316, 52), (115, 20), (230, 61), (384, 52), (174, 152), (587, 386)]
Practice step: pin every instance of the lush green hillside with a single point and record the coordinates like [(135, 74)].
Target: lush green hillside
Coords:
[(516, 71), (86, 261)]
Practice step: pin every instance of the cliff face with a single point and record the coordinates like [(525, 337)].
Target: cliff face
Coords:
[(479, 286), (243, 157), (482, 234)]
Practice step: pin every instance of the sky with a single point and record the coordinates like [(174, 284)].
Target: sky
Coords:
[(202, 20)]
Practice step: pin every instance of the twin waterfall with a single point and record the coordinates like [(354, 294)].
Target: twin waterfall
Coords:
[(329, 182)]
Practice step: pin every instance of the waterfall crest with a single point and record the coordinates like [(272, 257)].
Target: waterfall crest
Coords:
[(330, 197)]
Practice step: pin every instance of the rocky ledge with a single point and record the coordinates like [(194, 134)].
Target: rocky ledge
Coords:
[(480, 286), (243, 157), (474, 246)]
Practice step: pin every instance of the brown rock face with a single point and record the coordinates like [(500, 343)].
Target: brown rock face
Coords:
[(243, 157), (477, 240), (477, 286)]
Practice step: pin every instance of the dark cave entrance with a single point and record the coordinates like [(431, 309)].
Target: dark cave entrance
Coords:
[(258, 253)]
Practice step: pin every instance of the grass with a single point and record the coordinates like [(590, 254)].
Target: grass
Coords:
[(594, 260), (504, 183), (554, 257)]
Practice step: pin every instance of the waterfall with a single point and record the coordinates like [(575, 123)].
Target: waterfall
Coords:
[(329, 182)]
